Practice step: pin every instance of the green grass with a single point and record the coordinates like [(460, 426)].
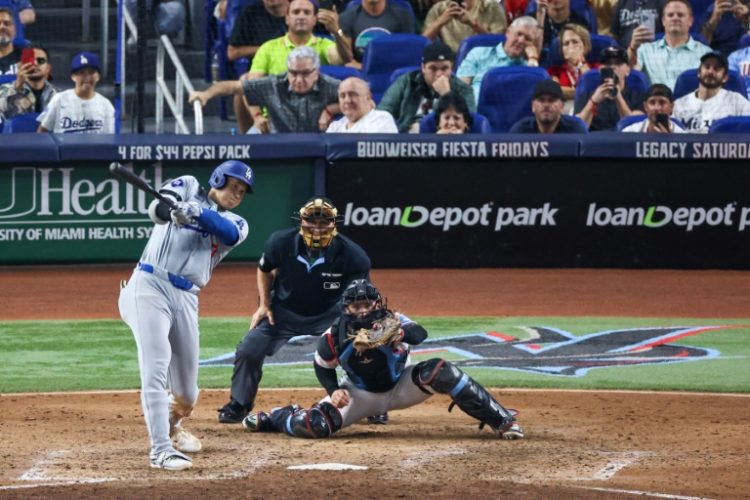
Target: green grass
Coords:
[(88, 355)]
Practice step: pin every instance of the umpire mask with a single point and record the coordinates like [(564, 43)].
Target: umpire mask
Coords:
[(317, 221)]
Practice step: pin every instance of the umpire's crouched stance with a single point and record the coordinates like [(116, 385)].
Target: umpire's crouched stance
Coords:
[(301, 276), (378, 376)]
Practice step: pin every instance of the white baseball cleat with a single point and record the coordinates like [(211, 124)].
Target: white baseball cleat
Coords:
[(184, 441), (514, 431), (170, 460)]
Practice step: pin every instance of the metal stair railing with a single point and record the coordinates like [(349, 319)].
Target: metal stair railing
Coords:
[(182, 84)]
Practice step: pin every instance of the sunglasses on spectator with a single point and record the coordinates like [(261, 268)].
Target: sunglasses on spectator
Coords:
[(41, 60)]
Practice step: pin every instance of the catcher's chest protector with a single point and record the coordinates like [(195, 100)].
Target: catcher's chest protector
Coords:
[(376, 369)]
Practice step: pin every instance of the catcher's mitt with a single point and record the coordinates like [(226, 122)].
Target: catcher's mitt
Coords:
[(384, 331)]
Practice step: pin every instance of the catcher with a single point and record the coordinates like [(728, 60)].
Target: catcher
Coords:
[(371, 344)]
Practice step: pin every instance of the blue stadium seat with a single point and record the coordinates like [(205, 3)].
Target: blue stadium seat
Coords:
[(7, 79), (340, 72), (468, 43), (400, 71), (590, 80), (744, 41), (21, 123), (505, 95), (480, 125), (730, 125), (688, 82), (384, 54), (598, 43)]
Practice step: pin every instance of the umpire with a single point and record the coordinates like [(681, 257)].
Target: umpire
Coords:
[(301, 275)]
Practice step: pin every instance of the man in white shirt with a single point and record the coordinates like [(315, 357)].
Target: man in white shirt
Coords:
[(699, 109), (358, 108), (658, 107), (81, 110)]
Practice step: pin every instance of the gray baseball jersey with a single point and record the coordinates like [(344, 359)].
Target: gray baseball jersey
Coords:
[(160, 305)]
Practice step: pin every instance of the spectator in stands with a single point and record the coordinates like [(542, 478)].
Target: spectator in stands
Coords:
[(31, 92), (575, 45), (82, 109), (271, 56), (663, 60), (604, 11), (10, 55), (698, 110), (520, 48), (26, 13), (724, 23), (553, 15), (358, 108), (256, 24), (547, 106), (631, 21), (302, 100), (454, 20), (739, 61), (373, 18), (453, 115), (659, 103), (613, 99), (413, 94)]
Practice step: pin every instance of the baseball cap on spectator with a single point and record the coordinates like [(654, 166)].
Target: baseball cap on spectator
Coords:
[(84, 60), (548, 87), (659, 89), (715, 55), (614, 55), (437, 51)]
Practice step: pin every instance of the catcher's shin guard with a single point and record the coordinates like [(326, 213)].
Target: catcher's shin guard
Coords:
[(441, 376), (320, 421)]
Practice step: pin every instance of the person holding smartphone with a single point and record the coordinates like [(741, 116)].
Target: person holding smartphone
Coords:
[(31, 92), (658, 105), (612, 99), (454, 20), (724, 23)]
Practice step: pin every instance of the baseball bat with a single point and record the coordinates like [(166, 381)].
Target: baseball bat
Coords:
[(119, 171)]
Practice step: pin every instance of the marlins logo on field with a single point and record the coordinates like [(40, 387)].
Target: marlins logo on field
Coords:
[(548, 351)]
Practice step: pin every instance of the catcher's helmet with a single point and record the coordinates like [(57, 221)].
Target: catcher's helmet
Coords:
[(321, 211), (362, 289), (232, 168)]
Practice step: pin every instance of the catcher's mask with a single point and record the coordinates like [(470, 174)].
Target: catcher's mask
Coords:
[(362, 303), (317, 221)]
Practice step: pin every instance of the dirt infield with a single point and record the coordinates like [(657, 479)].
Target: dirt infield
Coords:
[(579, 444)]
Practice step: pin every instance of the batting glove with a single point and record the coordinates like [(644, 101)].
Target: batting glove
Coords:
[(186, 212)]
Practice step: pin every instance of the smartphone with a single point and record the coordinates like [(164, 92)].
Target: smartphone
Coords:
[(27, 56), (326, 4), (663, 120), (608, 73), (648, 20)]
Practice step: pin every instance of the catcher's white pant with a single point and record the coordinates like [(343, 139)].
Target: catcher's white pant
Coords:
[(364, 403), (164, 321)]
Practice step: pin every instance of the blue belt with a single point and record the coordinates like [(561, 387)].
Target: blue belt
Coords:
[(176, 280)]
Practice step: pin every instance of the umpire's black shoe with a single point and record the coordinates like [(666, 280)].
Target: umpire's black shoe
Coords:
[(232, 413), (381, 419)]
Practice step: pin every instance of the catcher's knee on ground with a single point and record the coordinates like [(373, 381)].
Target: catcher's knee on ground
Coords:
[(440, 376), (319, 421)]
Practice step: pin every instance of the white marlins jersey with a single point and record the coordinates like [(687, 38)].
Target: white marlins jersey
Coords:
[(67, 113), (189, 251), (698, 115)]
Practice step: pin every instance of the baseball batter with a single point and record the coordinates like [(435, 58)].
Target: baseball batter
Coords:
[(160, 301), (378, 375), (301, 275)]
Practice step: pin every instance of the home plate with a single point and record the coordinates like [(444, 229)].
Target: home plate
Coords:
[(328, 466)]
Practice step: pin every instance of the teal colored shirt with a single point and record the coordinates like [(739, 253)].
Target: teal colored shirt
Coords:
[(664, 64), (482, 59)]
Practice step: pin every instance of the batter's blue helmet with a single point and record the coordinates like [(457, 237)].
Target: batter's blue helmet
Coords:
[(232, 168)]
